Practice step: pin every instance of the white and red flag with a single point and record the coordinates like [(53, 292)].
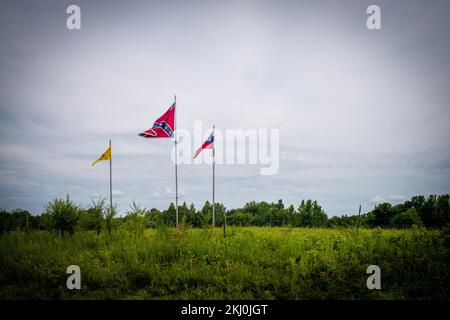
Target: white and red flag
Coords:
[(163, 127), (208, 144)]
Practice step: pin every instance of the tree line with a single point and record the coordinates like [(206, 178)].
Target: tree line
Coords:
[(63, 215)]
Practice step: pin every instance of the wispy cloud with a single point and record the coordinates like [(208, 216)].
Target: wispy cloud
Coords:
[(396, 197), (377, 199)]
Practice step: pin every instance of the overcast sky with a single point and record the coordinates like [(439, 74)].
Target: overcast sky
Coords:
[(363, 115)]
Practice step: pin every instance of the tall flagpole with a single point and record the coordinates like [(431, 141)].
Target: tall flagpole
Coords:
[(359, 219), (214, 181), (176, 163), (110, 179)]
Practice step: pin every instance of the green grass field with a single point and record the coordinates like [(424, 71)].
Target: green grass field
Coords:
[(251, 263)]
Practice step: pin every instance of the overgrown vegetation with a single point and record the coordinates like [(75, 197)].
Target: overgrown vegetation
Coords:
[(142, 256), (251, 263)]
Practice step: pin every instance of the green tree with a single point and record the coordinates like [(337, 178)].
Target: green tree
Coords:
[(290, 213), (220, 210), (183, 214), (311, 214), (18, 219), (92, 218), (319, 217), (206, 215), (5, 221), (406, 219), (383, 214), (443, 210), (193, 217), (63, 214), (155, 218), (21, 219), (238, 217), (169, 215), (136, 219)]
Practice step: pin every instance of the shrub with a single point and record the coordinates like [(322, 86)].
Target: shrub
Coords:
[(137, 219), (63, 214), (92, 218)]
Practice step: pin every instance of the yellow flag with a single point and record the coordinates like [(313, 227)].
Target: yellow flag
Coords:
[(105, 156)]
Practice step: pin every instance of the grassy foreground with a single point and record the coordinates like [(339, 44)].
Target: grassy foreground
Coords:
[(251, 263)]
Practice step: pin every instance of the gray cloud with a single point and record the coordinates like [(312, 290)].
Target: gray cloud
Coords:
[(361, 113)]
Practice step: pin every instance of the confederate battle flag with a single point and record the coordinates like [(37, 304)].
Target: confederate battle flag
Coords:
[(163, 126)]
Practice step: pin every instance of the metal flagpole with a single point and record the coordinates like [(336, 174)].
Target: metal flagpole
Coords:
[(224, 212), (214, 181), (110, 179), (176, 163), (359, 219)]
